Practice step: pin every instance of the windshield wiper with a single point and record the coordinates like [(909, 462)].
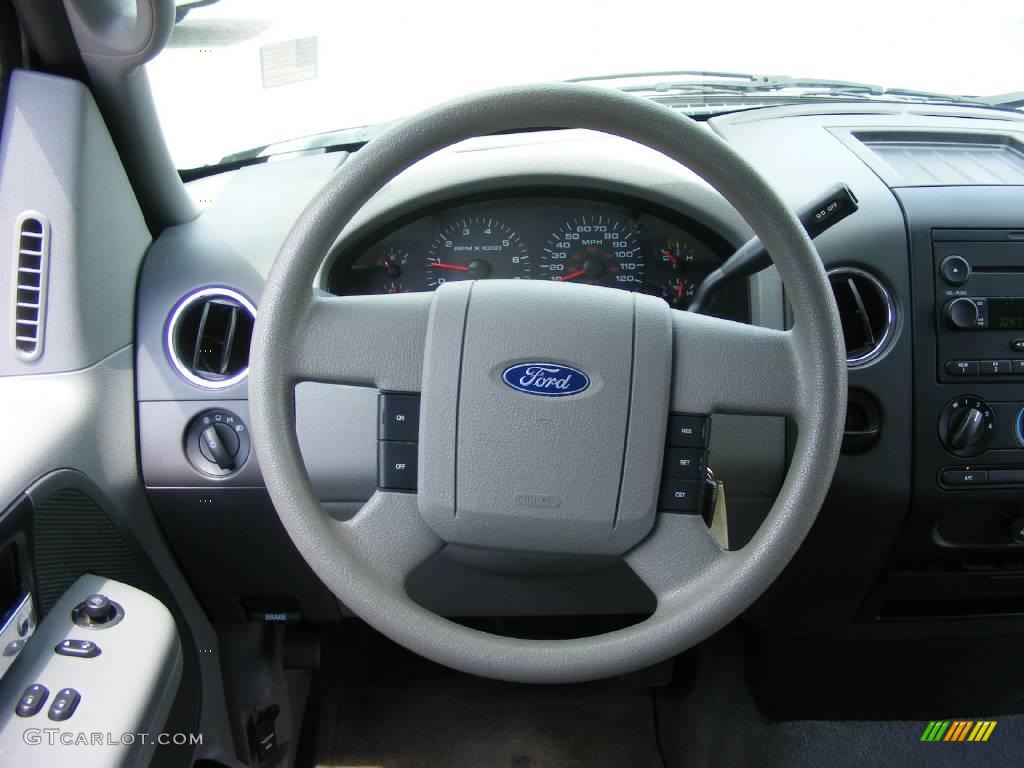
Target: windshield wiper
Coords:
[(1013, 100), (701, 83)]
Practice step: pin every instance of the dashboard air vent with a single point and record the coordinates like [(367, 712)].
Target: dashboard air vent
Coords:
[(208, 337), (28, 301), (866, 311)]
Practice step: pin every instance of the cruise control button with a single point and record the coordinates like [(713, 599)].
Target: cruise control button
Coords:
[(31, 700), (399, 416), (687, 431), (962, 367), (83, 649), (684, 463), (396, 465), (64, 704), (680, 496), (994, 367), (965, 477)]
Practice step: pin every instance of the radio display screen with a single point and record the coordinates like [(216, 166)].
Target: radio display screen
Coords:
[(1006, 314)]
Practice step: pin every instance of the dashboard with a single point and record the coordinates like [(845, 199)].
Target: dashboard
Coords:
[(623, 243), (913, 534)]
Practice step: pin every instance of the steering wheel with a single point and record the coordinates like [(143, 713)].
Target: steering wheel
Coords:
[(577, 474)]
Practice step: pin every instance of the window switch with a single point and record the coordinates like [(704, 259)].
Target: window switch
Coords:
[(64, 704), (31, 700)]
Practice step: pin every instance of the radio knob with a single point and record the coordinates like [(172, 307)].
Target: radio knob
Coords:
[(962, 313)]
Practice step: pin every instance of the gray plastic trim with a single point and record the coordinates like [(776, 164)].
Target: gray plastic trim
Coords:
[(127, 689)]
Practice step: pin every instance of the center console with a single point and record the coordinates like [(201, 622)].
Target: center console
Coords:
[(961, 552)]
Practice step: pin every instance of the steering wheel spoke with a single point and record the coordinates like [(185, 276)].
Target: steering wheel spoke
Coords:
[(679, 550), (374, 341), (721, 366), (389, 532)]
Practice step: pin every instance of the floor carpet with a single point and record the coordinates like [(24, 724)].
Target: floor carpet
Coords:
[(464, 722)]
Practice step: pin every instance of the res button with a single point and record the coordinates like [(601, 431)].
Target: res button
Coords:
[(687, 431)]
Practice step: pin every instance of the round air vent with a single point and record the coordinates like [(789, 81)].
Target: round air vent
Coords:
[(208, 337), (866, 310)]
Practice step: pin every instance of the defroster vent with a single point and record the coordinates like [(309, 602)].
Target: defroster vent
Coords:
[(208, 337)]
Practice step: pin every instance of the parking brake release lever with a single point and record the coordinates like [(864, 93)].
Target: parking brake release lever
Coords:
[(822, 213)]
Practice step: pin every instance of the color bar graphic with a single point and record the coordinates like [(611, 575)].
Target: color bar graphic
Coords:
[(958, 730)]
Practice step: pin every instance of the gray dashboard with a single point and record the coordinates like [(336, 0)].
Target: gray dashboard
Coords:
[(800, 150)]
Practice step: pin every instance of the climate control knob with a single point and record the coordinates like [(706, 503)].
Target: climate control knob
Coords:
[(967, 426)]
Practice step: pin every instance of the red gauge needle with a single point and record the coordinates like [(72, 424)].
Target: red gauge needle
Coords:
[(571, 276), (456, 267), (679, 290), (669, 256)]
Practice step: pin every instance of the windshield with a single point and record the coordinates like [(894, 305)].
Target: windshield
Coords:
[(239, 74)]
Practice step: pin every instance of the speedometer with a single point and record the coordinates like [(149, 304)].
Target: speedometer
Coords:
[(474, 248), (599, 250)]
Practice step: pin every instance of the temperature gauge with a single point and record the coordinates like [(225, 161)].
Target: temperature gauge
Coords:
[(677, 292)]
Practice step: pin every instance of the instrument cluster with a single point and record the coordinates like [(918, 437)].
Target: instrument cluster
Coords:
[(619, 245)]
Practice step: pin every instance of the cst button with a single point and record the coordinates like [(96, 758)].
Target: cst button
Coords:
[(680, 496)]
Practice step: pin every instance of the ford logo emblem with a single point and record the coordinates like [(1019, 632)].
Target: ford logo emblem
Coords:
[(547, 379)]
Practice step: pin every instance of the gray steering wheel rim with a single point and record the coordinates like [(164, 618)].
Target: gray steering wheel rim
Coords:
[(356, 569)]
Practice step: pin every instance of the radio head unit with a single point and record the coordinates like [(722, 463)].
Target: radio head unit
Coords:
[(979, 301)]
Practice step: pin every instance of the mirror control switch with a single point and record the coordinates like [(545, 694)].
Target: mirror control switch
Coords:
[(82, 649)]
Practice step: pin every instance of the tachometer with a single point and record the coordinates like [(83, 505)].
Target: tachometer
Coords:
[(599, 250), (475, 248)]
